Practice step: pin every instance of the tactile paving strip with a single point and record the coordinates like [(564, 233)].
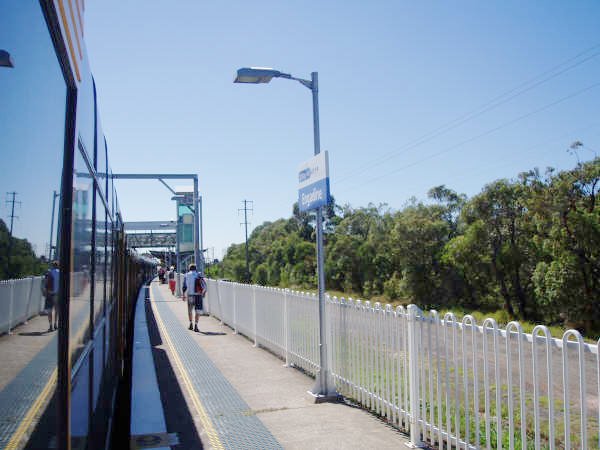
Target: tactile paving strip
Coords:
[(235, 423), (17, 396)]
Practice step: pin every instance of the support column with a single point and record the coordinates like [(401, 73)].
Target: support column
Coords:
[(178, 256), (198, 260)]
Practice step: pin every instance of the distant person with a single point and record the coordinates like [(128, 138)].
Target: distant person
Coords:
[(50, 288), (172, 280), (194, 287)]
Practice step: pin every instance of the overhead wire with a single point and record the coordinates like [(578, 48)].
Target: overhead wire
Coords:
[(526, 151), (497, 101), (478, 136), (486, 107)]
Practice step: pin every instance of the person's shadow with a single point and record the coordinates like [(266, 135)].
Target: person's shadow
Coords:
[(34, 333), (212, 333)]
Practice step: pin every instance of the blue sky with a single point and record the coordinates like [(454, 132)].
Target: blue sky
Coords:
[(390, 73), (29, 164)]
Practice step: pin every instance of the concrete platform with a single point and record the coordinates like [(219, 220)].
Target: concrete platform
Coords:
[(27, 379), (19, 348), (28, 374), (274, 394)]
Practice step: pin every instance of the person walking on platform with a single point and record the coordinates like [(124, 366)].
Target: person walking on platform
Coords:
[(194, 287), (50, 288), (172, 280)]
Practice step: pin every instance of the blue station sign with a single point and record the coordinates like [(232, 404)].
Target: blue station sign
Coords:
[(313, 187)]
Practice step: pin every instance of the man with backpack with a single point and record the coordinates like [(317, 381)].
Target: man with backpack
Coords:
[(50, 288), (194, 287)]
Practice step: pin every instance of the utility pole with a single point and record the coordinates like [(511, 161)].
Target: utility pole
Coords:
[(12, 213), (54, 196), (9, 271), (245, 223)]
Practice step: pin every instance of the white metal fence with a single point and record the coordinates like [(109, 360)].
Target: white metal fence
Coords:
[(19, 301), (448, 383)]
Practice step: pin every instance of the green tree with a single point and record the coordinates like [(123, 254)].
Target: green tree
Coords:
[(530, 246), (498, 236), (567, 217), (418, 238), (17, 258)]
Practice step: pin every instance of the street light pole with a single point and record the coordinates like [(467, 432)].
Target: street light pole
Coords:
[(52, 224), (201, 234), (324, 388), (198, 260)]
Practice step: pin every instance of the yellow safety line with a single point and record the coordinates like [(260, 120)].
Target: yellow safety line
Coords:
[(28, 419), (31, 414), (206, 422)]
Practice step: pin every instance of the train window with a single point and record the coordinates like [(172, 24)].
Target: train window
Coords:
[(32, 128), (100, 158), (102, 218), (80, 404), (109, 263), (81, 249), (100, 260), (109, 235), (98, 365), (86, 120), (83, 289)]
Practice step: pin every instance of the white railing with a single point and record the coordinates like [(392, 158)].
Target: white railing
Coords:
[(446, 382), (19, 301)]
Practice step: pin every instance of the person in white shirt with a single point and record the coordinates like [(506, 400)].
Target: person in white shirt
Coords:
[(194, 288), (50, 288)]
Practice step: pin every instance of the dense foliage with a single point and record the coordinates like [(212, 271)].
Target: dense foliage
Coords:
[(17, 258), (530, 246)]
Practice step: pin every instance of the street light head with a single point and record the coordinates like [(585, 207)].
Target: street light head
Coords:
[(5, 59), (256, 75)]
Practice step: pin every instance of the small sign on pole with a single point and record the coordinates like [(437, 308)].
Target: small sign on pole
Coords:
[(313, 187)]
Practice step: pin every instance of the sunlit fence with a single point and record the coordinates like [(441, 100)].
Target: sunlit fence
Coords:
[(448, 383), (19, 301)]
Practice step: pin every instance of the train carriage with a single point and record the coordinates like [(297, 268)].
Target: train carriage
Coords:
[(64, 388)]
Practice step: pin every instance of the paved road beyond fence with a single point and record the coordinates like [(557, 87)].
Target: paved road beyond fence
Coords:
[(445, 382)]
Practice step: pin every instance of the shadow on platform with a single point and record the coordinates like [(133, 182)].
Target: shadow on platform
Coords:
[(177, 414), (44, 433), (36, 333), (212, 333)]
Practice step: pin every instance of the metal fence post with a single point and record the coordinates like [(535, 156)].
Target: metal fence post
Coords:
[(219, 300), (29, 312), (413, 377), (254, 314), (10, 307), (286, 325), (329, 336), (234, 309)]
